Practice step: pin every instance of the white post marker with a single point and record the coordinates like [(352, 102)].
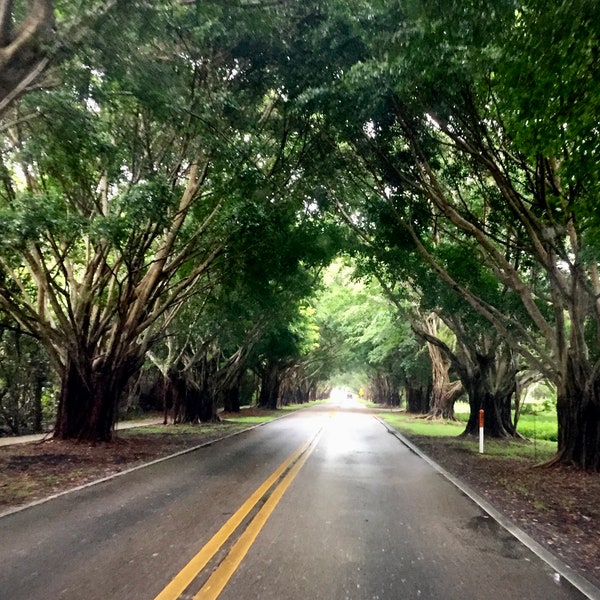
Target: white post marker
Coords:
[(481, 427)]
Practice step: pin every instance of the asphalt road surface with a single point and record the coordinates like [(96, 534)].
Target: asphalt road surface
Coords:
[(323, 504)]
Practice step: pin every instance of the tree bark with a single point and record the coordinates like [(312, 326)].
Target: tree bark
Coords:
[(231, 399), (37, 391), (22, 49), (491, 393), (269, 388), (199, 396), (578, 410), (89, 398), (174, 396), (488, 371), (444, 393), (384, 391), (417, 399), (199, 406)]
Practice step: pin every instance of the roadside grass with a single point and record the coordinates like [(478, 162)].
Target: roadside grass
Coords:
[(532, 425), (264, 416), (35, 470), (174, 430), (233, 421), (304, 405), (538, 427), (422, 426), (25, 487), (252, 420), (531, 450)]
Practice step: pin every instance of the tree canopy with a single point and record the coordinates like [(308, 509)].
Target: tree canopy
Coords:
[(159, 156)]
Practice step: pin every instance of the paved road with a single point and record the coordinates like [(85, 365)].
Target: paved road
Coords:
[(349, 513)]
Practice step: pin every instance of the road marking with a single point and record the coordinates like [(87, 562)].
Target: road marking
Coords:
[(220, 577), (183, 579)]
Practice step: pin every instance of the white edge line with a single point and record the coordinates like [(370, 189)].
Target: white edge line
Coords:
[(574, 578), (16, 509)]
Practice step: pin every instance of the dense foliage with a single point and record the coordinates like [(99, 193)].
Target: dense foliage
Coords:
[(176, 189)]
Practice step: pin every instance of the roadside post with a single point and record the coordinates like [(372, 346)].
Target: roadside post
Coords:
[(481, 427)]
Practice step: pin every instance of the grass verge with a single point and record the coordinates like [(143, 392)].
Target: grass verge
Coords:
[(537, 450), (35, 470)]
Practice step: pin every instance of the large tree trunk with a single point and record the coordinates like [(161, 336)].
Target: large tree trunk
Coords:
[(442, 404), (199, 405), (417, 399), (89, 398), (488, 373), (38, 391), (231, 398), (578, 410), (269, 388), (174, 395), (295, 391), (384, 391), (490, 386), (444, 393), (295, 386), (197, 398), (496, 407), (196, 389)]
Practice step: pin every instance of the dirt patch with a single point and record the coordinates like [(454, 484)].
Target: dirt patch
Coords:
[(33, 471)]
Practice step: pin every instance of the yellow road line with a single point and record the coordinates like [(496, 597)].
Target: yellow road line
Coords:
[(198, 562), (218, 580)]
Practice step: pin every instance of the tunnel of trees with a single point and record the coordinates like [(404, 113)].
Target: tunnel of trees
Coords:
[(212, 203)]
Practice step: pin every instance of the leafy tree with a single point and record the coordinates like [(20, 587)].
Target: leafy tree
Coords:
[(38, 36), (370, 337), (116, 199), (433, 115), (529, 224), (24, 375), (24, 41), (252, 316), (444, 391)]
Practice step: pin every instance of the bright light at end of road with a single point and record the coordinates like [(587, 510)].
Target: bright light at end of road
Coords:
[(343, 397)]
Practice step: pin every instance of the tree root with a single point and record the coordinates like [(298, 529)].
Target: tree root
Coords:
[(552, 462)]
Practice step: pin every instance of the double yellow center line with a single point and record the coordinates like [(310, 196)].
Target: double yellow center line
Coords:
[(285, 474)]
